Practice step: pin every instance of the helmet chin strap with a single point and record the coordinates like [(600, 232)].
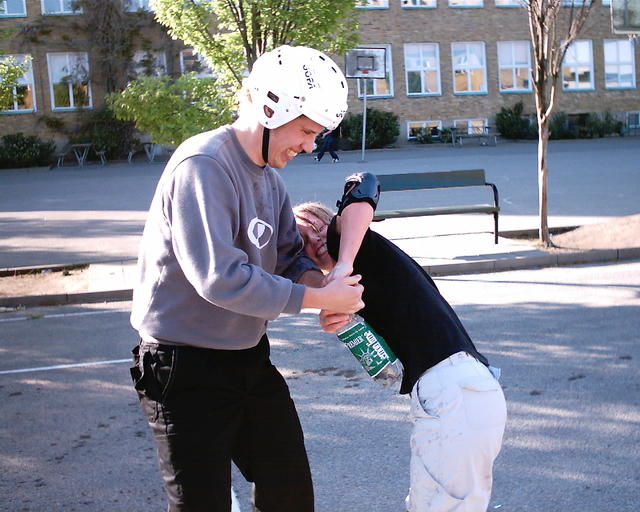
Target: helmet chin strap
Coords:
[(265, 144)]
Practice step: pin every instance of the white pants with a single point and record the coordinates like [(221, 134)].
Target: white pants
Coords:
[(459, 414)]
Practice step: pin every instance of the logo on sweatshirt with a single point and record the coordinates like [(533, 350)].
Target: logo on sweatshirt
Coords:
[(259, 232)]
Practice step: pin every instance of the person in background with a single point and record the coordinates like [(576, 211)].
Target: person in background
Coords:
[(221, 256), (329, 140), (457, 405)]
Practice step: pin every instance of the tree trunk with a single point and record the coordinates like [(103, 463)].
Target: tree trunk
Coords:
[(543, 169)]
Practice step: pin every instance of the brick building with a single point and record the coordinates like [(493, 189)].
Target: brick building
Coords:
[(457, 62), (68, 75), (449, 63)]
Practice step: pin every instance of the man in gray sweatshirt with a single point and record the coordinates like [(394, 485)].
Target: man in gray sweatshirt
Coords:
[(220, 257)]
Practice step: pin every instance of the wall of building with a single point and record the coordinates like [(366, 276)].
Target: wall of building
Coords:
[(490, 24), (39, 35), (394, 26)]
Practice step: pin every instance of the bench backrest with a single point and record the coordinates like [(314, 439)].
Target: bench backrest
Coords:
[(437, 179)]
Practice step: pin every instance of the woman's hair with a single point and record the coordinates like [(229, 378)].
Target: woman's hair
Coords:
[(313, 208)]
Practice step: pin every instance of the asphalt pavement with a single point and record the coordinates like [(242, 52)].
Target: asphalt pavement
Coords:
[(73, 437)]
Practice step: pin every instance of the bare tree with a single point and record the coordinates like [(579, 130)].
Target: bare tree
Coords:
[(553, 25)]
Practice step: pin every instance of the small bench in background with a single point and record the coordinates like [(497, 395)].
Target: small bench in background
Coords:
[(435, 180), (483, 135)]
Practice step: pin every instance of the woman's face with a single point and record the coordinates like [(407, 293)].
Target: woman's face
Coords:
[(314, 233)]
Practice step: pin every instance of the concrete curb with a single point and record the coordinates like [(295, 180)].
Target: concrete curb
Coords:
[(60, 299), (543, 260), (449, 269)]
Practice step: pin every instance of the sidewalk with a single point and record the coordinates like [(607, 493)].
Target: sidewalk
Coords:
[(446, 245)]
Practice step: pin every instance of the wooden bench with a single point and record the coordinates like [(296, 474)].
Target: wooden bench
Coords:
[(434, 180)]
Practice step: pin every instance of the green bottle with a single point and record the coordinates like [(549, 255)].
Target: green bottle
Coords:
[(372, 351)]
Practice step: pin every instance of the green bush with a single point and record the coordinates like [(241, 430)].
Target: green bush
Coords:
[(510, 124), (106, 132), (559, 127), (596, 126), (172, 110), (382, 129), (424, 137), (19, 150)]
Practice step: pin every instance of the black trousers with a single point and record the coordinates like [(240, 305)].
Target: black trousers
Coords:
[(209, 407)]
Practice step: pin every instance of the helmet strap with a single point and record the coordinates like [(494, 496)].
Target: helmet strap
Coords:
[(265, 144)]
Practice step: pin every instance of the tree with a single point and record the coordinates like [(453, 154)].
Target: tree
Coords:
[(553, 26), (171, 110), (232, 34)]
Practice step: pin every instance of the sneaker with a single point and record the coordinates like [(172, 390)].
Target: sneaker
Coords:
[(315, 159), (335, 160)]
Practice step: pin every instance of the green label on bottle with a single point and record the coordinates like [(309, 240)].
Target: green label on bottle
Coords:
[(368, 347)]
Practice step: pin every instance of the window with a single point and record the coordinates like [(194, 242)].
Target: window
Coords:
[(633, 119), (408, 4), (69, 80), (148, 63), (509, 3), (372, 4), (466, 3), (191, 62), (12, 8), (470, 126), (514, 64), (422, 67), (23, 93), (415, 128), (606, 3), (379, 88), (577, 67), (60, 7), (469, 73), (619, 64), (137, 5)]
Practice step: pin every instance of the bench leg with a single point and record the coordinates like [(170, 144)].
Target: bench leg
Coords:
[(495, 223)]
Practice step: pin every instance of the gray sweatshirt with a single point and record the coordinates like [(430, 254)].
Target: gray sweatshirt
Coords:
[(219, 251)]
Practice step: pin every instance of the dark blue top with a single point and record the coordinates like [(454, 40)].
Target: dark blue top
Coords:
[(403, 304)]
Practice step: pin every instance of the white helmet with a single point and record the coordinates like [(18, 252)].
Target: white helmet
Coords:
[(291, 81)]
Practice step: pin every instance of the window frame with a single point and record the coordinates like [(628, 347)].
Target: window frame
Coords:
[(433, 4), (514, 67), (127, 3), (424, 124), (72, 107), (369, 6), (469, 121), (508, 4), (157, 62), (619, 63), (592, 84), (479, 5), (388, 80), (61, 12), (421, 70), (29, 73), (630, 113), (5, 14), (200, 59), (469, 92)]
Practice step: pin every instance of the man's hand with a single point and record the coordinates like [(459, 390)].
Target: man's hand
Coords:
[(343, 295), (331, 322)]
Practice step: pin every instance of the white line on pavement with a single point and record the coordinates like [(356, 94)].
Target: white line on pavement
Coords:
[(64, 366), (63, 315)]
